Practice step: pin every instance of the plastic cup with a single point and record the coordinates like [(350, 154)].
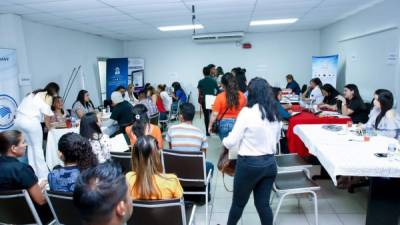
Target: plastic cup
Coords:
[(349, 124), (68, 123)]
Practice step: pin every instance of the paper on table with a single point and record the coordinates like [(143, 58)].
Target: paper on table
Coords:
[(210, 99), (118, 143)]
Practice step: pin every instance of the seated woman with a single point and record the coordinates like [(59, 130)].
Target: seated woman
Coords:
[(351, 104), (330, 94), (82, 105), (141, 126), (178, 96), (383, 118), (76, 153), (148, 182), (315, 91), (58, 109), (100, 143), (281, 109), (16, 175)]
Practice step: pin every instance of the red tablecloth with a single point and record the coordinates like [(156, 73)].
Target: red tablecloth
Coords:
[(295, 145)]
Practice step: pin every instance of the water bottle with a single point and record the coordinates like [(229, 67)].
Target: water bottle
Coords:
[(73, 121), (369, 130), (108, 109), (391, 151)]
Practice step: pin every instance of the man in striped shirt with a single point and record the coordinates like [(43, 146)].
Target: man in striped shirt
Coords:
[(186, 137)]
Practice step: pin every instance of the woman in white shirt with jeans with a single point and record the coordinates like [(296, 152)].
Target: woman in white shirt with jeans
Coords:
[(256, 133)]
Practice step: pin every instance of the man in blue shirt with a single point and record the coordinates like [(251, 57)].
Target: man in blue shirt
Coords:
[(292, 84)]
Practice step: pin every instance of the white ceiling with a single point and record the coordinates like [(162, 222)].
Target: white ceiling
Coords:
[(139, 19)]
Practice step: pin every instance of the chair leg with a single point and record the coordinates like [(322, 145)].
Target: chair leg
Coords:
[(272, 198), (315, 207), (279, 206), (206, 204)]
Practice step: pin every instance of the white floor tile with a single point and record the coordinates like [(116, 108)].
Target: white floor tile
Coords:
[(352, 219)]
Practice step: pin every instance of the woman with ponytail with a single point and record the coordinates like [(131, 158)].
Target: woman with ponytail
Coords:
[(227, 105), (76, 153), (141, 126)]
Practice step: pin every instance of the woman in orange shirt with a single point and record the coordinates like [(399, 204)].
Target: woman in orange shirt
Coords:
[(141, 126), (148, 182), (227, 105)]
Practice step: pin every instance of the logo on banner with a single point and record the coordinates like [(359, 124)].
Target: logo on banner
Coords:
[(117, 71), (8, 109)]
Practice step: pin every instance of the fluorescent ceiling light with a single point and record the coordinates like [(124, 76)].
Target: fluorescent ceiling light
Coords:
[(181, 27), (272, 22)]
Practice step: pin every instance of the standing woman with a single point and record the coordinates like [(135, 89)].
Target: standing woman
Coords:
[(30, 112), (227, 106), (351, 104), (82, 105), (256, 132)]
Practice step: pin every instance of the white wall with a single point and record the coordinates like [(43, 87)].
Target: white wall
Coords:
[(272, 56), (53, 53), (380, 16)]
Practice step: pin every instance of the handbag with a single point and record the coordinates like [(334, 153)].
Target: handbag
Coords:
[(215, 125), (226, 165)]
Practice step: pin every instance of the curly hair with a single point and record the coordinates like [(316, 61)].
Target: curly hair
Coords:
[(77, 149)]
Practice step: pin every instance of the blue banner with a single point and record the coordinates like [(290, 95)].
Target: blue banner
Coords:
[(325, 68), (117, 74)]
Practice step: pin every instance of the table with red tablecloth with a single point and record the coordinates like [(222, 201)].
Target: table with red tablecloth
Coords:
[(295, 145)]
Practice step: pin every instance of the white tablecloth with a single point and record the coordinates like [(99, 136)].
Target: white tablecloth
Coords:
[(53, 137), (339, 156)]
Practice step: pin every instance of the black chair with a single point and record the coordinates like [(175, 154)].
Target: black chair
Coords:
[(154, 118), (190, 168), (161, 212), (124, 159), (63, 208), (16, 207)]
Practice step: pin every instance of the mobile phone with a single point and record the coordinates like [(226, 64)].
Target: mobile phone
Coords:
[(381, 155)]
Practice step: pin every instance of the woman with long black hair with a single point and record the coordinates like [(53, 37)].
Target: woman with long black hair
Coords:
[(82, 105), (90, 129), (30, 112), (256, 132), (383, 117), (227, 105), (351, 104), (330, 93)]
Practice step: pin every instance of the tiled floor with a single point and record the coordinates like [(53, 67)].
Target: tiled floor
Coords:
[(336, 207)]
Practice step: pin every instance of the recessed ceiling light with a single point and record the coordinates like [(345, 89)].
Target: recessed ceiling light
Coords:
[(272, 22), (181, 27)]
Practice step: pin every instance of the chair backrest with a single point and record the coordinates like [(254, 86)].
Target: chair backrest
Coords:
[(158, 212), (63, 207), (189, 167), (16, 207), (124, 159), (154, 118)]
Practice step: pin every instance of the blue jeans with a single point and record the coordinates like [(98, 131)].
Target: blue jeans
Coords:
[(225, 127), (253, 174)]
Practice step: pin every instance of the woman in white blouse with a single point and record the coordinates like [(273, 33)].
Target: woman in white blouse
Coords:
[(256, 133), (33, 108), (383, 118), (90, 129), (314, 89)]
